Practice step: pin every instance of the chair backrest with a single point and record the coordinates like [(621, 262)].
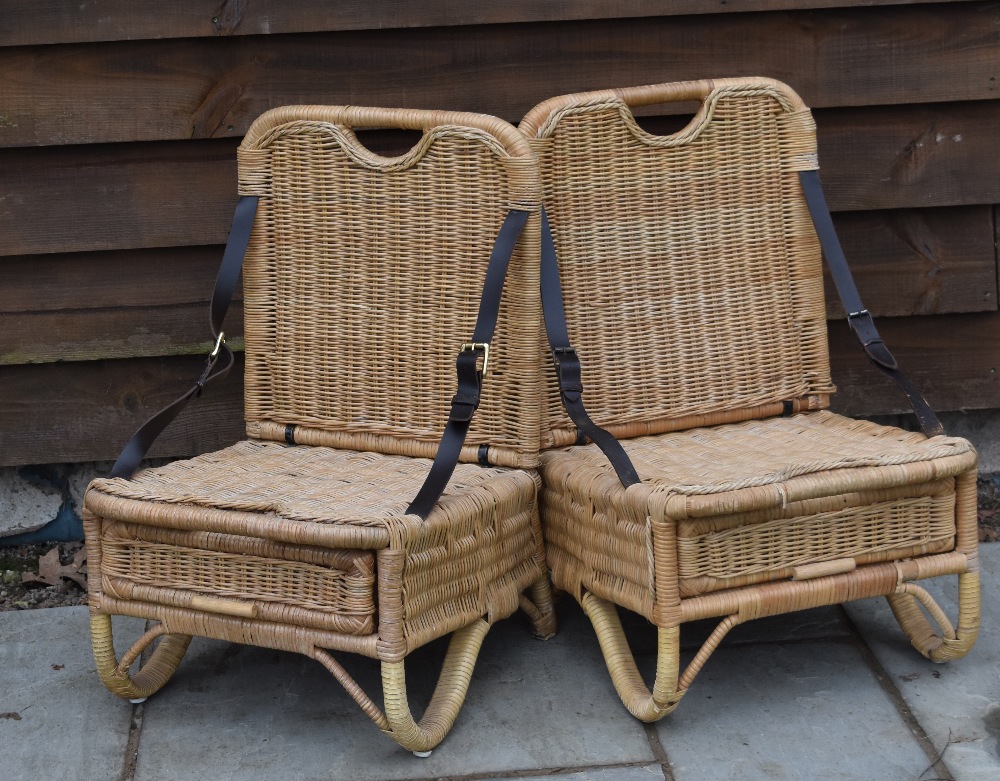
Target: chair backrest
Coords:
[(691, 271), (364, 275)]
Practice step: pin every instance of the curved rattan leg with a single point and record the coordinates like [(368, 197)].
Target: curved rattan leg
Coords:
[(540, 608), (945, 642), (669, 686), (151, 676), (448, 695), (642, 703)]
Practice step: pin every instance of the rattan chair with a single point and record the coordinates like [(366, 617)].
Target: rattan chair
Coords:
[(361, 281), (694, 291)]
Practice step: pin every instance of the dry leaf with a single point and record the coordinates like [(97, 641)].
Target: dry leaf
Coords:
[(51, 571)]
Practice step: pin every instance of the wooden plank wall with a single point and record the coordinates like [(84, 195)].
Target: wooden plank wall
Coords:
[(118, 130)]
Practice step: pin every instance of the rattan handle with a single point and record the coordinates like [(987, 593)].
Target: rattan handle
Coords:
[(373, 117), (835, 567), (228, 607)]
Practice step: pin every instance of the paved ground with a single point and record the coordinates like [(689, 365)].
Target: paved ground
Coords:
[(825, 694)]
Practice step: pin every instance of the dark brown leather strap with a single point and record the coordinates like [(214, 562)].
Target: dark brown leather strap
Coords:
[(567, 363), (220, 360), (470, 377), (859, 318)]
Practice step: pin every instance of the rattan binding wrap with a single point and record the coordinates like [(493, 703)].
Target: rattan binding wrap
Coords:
[(694, 297), (362, 280)]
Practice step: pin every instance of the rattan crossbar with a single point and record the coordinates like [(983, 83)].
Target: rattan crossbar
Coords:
[(363, 276), (693, 285)]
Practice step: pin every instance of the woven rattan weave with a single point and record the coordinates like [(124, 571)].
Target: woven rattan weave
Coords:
[(361, 282), (694, 295)]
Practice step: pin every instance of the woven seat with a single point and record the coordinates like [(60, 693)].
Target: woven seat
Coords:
[(694, 293), (361, 281)]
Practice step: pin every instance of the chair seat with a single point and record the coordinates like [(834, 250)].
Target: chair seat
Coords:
[(291, 535), (756, 501)]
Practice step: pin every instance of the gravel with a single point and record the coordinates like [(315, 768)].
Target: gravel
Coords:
[(18, 594)]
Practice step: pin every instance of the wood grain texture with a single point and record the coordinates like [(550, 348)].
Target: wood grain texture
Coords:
[(919, 261), (212, 87), (68, 412), (953, 359), (920, 155), (27, 22), (110, 197), (127, 196)]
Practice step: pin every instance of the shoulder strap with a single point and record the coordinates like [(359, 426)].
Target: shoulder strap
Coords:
[(567, 362), (222, 295), (859, 318), (470, 377)]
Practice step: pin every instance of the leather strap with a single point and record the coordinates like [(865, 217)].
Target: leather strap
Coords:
[(220, 360), (470, 377), (567, 363), (859, 318)]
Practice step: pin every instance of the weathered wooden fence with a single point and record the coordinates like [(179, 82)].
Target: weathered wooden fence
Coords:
[(119, 123)]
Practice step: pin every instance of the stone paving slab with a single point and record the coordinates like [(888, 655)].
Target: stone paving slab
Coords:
[(636, 773), (811, 710), (237, 712), (58, 719), (957, 703)]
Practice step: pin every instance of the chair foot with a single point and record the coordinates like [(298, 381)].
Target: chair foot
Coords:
[(423, 754), (447, 699), (945, 642), (540, 609), (151, 675), (138, 700), (642, 703)]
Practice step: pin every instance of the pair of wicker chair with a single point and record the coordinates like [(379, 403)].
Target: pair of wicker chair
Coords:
[(693, 288)]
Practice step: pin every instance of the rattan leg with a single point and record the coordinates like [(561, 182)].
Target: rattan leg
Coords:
[(448, 695), (540, 609), (669, 686), (640, 701), (946, 642), (151, 675)]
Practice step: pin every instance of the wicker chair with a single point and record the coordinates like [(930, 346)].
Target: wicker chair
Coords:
[(361, 280), (694, 289)]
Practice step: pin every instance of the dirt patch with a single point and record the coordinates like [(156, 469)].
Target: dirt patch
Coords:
[(989, 510), (23, 576)]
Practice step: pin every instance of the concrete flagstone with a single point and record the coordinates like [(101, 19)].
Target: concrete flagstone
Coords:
[(806, 710), (242, 712), (56, 718), (957, 703)]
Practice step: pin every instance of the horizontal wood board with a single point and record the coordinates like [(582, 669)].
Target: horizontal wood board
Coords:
[(26, 22), (127, 196), (211, 87), (68, 412), (953, 359)]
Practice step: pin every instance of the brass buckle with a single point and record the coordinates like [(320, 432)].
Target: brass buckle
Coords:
[(485, 347), (218, 344)]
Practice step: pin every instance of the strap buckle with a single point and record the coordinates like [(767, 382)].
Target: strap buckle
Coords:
[(485, 347), (557, 351), (218, 345)]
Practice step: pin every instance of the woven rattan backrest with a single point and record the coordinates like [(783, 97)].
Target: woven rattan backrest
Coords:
[(363, 278), (691, 271)]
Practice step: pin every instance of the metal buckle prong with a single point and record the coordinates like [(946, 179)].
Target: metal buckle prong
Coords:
[(862, 313), (485, 347), (218, 344)]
